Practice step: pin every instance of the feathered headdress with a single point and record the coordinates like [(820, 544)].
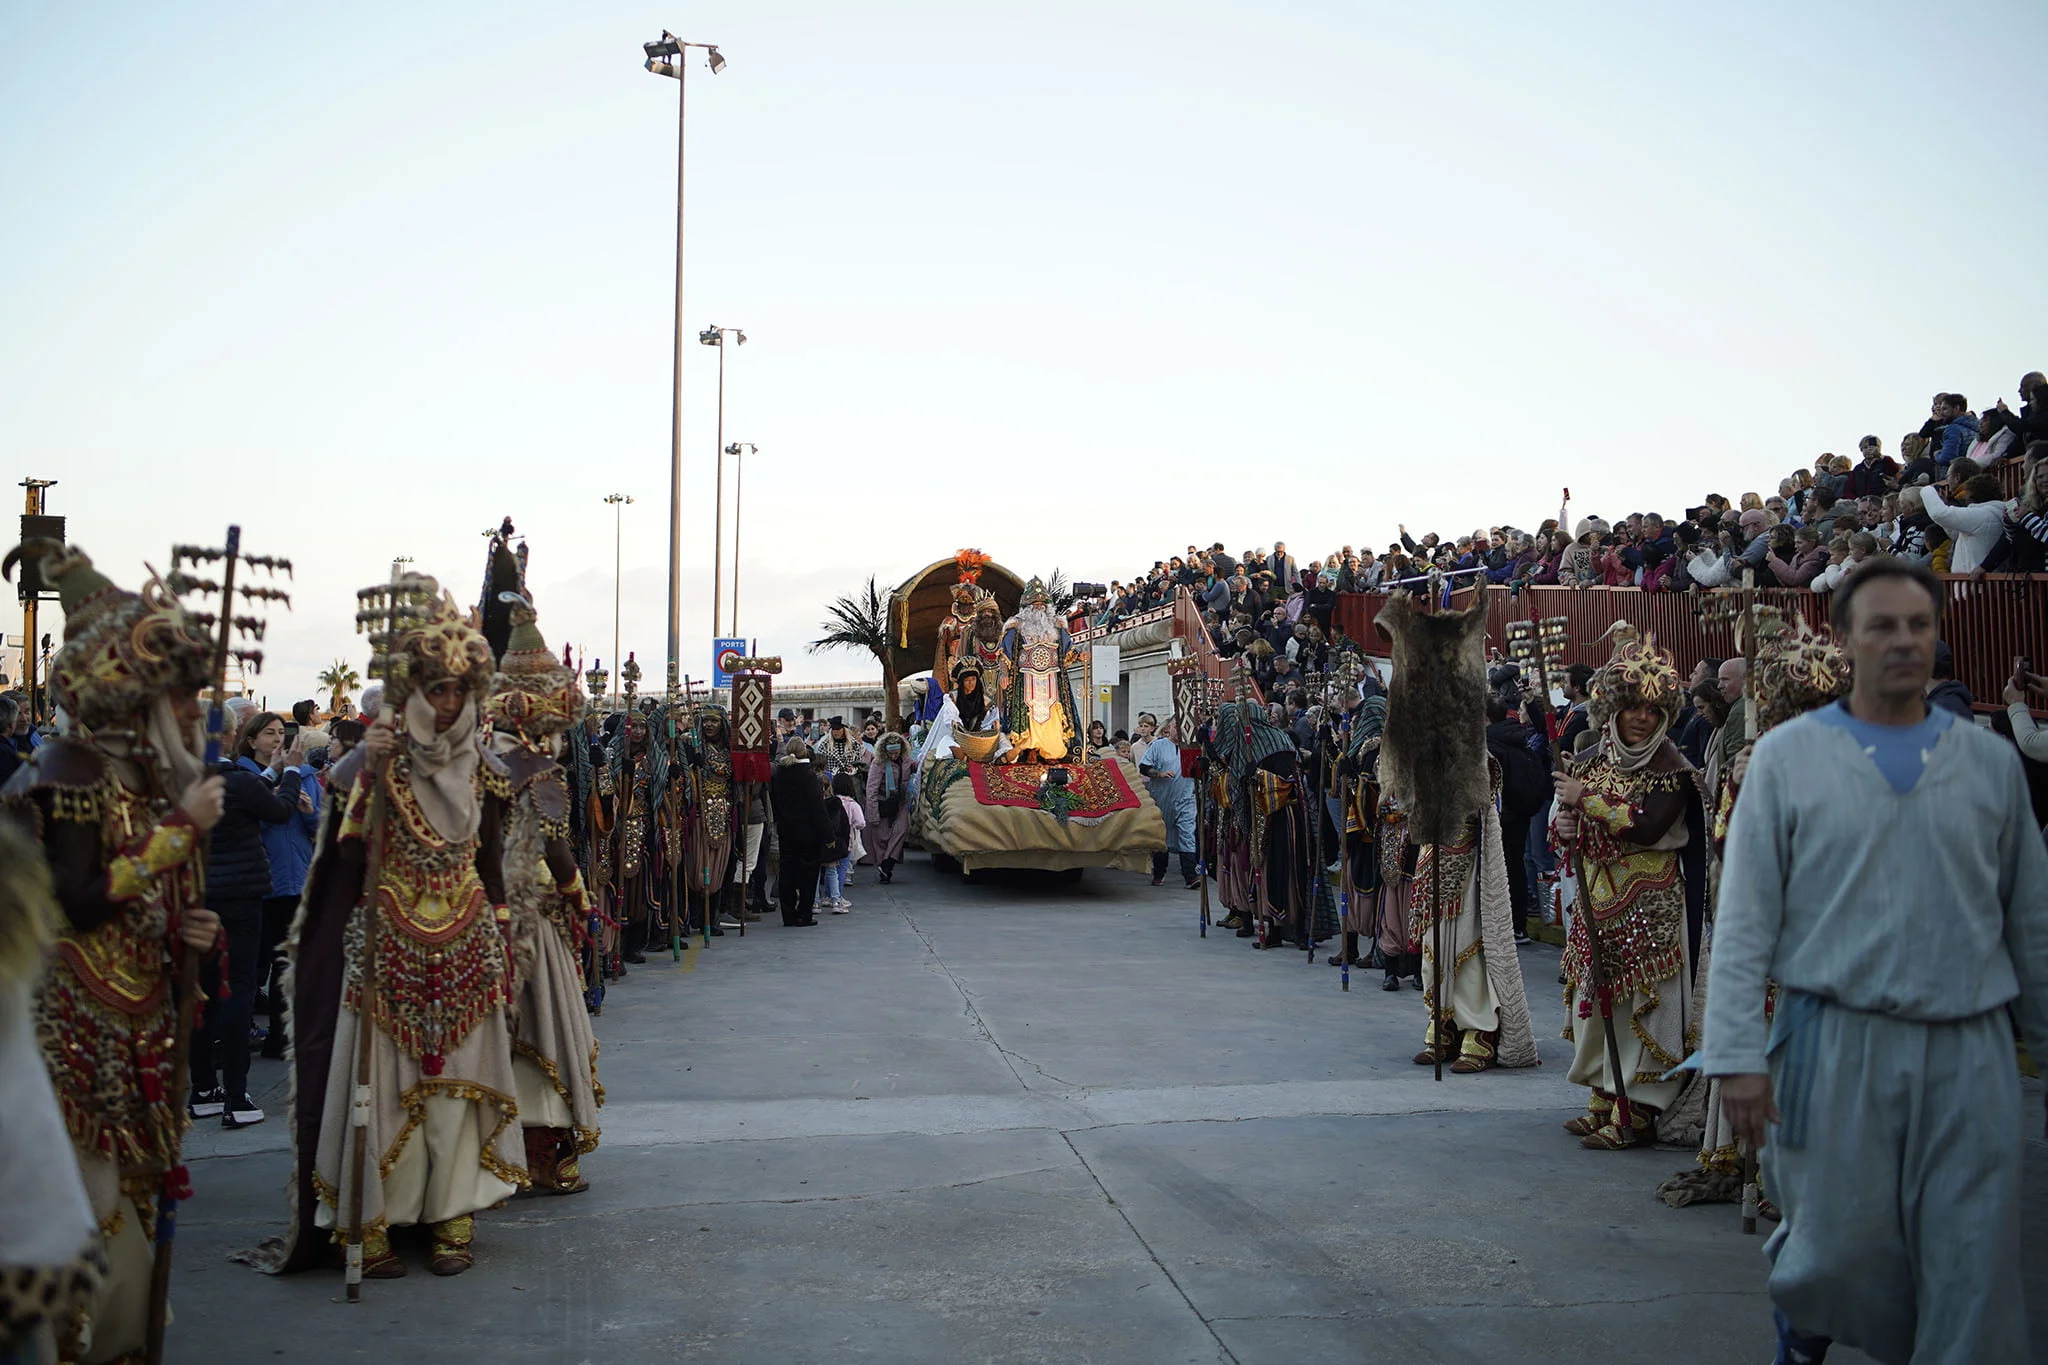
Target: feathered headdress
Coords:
[(971, 563)]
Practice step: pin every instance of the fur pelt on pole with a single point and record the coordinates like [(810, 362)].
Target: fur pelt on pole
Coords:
[(1433, 758)]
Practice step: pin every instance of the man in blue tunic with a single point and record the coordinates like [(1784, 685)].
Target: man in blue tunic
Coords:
[(1884, 870), (1159, 762)]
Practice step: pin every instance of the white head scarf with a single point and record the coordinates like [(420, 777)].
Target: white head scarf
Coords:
[(444, 767)]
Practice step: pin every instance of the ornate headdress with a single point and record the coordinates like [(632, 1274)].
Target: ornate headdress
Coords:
[(121, 649), (1639, 674), (533, 692), (1036, 593), (971, 563), (985, 603), (964, 665), (419, 636), (1798, 669)]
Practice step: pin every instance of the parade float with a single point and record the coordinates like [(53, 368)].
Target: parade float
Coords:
[(1002, 778)]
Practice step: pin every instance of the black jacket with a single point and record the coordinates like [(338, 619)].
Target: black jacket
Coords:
[(237, 868), (1952, 694), (799, 812)]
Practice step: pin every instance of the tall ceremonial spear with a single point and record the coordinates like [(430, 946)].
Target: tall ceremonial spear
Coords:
[(1742, 618), (1540, 642), (387, 611), (1190, 706), (177, 1181)]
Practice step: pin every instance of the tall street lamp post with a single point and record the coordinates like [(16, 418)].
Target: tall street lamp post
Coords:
[(714, 335), (665, 58), (618, 502), (739, 475)]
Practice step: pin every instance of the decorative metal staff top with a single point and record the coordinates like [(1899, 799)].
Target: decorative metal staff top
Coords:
[(1539, 644), (629, 679), (385, 613), (226, 621)]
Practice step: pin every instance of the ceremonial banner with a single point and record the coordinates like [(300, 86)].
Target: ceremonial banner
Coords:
[(1190, 709), (753, 730)]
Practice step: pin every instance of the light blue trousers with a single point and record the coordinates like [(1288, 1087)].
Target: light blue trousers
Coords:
[(1901, 1234)]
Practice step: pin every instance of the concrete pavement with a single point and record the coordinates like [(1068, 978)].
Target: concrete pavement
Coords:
[(1034, 1122)]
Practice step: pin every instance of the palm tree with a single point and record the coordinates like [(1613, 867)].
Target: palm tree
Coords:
[(341, 680), (862, 622), (1059, 590)]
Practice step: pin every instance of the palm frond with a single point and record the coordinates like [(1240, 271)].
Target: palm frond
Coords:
[(1059, 590), (858, 621)]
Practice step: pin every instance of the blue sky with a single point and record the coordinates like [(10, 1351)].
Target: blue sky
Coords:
[(1073, 283)]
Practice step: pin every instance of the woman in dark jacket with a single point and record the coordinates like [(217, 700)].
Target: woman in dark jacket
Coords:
[(237, 883), (289, 847), (799, 806)]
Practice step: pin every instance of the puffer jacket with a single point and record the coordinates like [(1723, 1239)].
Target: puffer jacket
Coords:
[(237, 867)]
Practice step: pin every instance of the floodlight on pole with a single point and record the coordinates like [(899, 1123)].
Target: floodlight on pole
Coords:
[(664, 57), (739, 477), (618, 503), (714, 335)]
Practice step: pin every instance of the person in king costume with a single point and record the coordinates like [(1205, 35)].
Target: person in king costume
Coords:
[(122, 805), (443, 1123), (533, 700), (1633, 802), (1038, 703)]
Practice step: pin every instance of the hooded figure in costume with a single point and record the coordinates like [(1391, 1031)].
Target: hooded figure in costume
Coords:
[(718, 815), (1263, 845), (123, 849), (1038, 702), (629, 813), (422, 964), (533, 699), (1633, 804), (971, 697), (1433, 761), (1373, 832)]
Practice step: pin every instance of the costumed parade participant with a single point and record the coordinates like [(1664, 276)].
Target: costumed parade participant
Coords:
[(1631, 804), (423, 982), (51, 1260), (1038, 702), (1158, 754), (637, 871), (888, 804), (712, 829), (533, 700), (971, 697), (121, 805), (1797, 670), (1263, 843), (1373, 917), (1433, 760)]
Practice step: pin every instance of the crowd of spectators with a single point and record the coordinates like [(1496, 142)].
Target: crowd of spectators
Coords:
[(1939, 504)]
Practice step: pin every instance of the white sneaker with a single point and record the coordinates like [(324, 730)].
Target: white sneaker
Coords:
[(841, 907)]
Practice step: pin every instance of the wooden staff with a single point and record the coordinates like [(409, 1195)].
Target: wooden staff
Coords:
[(188, 985), (176, 1183), (359, 1098)]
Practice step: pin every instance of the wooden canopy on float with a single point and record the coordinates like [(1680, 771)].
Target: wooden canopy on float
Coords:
[(921, 602)]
